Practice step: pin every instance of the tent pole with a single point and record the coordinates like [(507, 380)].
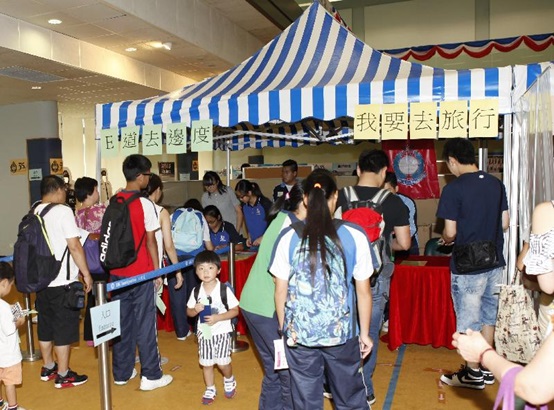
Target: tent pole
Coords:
[(228, 164)]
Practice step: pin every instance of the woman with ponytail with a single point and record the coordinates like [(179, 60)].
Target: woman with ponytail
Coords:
[(322, 270), (255, 208)]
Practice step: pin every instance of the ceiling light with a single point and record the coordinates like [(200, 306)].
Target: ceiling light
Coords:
[(131, 49), (36, 87), (156, 44), (54, 21), (167, 45)]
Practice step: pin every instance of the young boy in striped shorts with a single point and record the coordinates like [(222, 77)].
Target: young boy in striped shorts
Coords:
[(214, 324)]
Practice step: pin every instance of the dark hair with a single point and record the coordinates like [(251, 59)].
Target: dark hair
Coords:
[(292, 164), (391, 179), (207, 257), (244, 186), (318, 187), (194, 204), (212, 178), (50, 184), (373, 161), (154, 183), (134, 165), (6, 271), (84, 187), (245, 165), (461, 149), (288, 202), (213, 211)]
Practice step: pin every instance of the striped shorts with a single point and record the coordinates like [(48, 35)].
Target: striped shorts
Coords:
[(215, 350)]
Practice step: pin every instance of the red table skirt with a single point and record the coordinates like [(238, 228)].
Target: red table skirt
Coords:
[(421, 308), (242, 269)]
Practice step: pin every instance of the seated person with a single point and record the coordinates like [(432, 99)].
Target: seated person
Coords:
[(255, 208), (222, 233), (288, 175)]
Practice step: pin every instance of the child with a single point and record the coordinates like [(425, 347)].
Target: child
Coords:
[(10, 354), (214, 328)]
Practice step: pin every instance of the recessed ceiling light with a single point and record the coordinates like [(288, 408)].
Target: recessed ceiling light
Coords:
[(36, 87), (167, 45), (156, 44), (131, 49), (54, 21)]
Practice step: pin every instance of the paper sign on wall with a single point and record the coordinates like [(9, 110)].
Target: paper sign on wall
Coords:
[(152, 140), (130, 140), (483, 118), (35, 174), (394, 122), (56, 166), (453, 119), (176, 138), (109, 143), (201, 136), (423, 121), (367, 122), (18, 166)]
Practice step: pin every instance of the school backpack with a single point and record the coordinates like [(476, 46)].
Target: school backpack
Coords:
[(368, 215), (117, 242), (223, 295), (187, 230), (317, 312), (34, 262)]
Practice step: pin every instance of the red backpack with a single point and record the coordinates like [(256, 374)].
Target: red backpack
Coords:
[(368, 214)]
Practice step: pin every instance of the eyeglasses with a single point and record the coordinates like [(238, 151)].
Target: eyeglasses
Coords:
[(147, 174)]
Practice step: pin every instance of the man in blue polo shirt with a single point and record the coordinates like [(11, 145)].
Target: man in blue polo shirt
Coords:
[(475, 209)]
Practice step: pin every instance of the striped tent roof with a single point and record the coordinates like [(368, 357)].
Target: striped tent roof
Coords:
[(316, 68), (525, 76)]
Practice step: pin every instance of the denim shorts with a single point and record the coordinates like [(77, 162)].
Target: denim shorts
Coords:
[(475, 299)]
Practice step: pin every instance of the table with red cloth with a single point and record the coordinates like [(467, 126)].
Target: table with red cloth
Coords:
[(243, 264), (421, 309)]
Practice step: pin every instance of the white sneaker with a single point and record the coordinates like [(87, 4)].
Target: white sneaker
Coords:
[(185, 337), (163, 381), (124, 382)]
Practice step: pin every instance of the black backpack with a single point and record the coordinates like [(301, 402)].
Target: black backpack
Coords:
[(117, 243), (223, 294), (34, 262)]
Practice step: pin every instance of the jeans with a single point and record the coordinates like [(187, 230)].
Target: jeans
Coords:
[(380, 295), (275, 394)]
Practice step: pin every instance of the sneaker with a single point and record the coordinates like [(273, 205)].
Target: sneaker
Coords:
[(209, 396), (71, 379), (124, 382), (371, 399), (48, 374), (385, 327), (465, 377), (230, 388), (185, 337), (327, 392), (163, 381), (488, 377)]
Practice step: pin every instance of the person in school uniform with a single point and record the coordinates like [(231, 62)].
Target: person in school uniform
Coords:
[(255, 208), (222, 233)]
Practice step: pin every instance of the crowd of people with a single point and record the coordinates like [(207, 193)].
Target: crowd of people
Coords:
[(319, 285)]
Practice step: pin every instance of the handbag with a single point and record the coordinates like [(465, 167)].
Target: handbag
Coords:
[(517, 336), (506, 396), (475, 256), (92, 254)]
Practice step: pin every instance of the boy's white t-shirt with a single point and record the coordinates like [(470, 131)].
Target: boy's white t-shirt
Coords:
[(10, 353), (60, 225), (217, 306)]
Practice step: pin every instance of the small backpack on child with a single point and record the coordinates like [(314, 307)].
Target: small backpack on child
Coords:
[(317, 312), (368, 215), (187, 230), (223, 295)]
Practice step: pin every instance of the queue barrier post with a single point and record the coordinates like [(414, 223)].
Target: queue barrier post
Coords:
[(30, 355), (236, 345), (103, 354)]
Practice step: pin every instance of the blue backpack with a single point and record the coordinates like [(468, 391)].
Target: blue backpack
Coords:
[(187, 230), (34, 262), (317, 313)]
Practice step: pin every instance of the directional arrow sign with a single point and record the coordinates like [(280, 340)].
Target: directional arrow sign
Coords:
[(105, 322)]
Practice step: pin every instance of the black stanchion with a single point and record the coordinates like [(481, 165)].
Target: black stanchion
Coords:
[(236, 345), (30, 355)]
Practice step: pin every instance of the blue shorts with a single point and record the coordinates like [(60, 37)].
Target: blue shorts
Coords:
[(475, 299)]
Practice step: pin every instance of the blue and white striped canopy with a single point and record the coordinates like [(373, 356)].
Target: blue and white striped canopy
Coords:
[(316, 68), (525, 76)]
